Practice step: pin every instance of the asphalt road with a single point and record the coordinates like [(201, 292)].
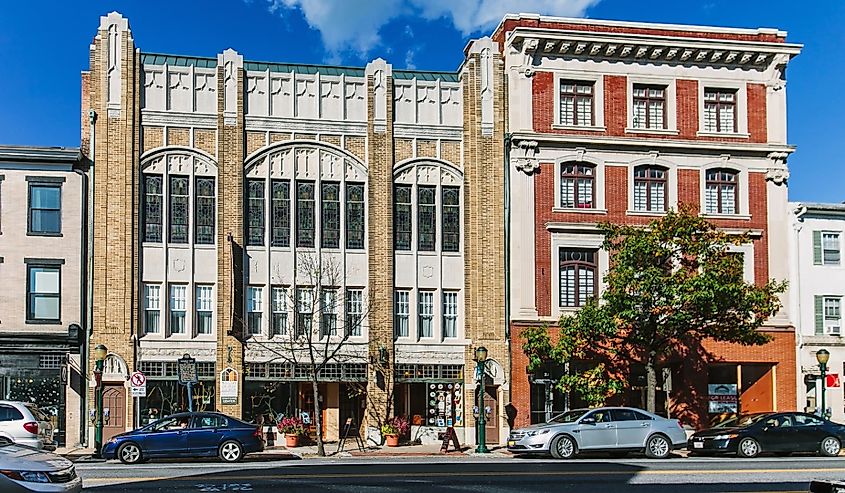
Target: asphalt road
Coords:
[(467, 474)]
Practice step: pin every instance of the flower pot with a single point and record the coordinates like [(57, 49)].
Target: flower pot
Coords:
[(392, 440), (291, 440)]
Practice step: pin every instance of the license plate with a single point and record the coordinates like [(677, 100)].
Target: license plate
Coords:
[(511, 443), (697, 444)]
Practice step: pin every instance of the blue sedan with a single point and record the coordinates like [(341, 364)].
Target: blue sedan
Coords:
[(187, 435)]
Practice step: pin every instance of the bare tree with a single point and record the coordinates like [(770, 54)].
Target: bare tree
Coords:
[(318, 336)]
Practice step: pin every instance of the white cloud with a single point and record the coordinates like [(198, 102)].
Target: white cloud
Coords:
[(354, 24), (409, 59)]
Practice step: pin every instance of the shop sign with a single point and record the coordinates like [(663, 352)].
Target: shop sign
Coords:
[(229, 386), (187, 367), (445, 408), (832, 381), (723, 398)]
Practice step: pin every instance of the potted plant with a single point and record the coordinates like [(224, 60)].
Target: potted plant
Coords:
[(393, 428), (293, 428)]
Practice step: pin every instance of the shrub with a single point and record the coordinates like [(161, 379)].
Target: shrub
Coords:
[(291, 426), (397, 425)]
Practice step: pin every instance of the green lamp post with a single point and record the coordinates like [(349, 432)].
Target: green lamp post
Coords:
[(100, 353), (481, 422), (823, 356)]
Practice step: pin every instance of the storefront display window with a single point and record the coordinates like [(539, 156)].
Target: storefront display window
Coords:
[(166, 397)]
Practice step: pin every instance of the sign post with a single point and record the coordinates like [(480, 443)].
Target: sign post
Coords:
[(187, 367)]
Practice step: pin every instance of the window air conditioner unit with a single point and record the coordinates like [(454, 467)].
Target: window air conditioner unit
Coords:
[(835, 330)]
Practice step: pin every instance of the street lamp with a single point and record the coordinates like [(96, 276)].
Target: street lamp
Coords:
[(100, 353), (823, 356), (481, 422)]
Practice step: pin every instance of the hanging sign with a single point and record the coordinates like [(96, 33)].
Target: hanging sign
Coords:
[(229, 386)]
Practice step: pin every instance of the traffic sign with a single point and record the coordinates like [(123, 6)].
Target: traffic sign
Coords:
[(139, 391), (832, 381), (138, 379)]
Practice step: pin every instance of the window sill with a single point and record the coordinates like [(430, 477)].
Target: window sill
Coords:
[(205, 246), (578, 210), (646, 213), (152, 244), (589, 128), (733, 135), (43, 322), (451, 254), (656, 131), (49, 235), (740, 217)]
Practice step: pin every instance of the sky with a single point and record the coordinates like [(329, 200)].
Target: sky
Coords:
[(44, 47)]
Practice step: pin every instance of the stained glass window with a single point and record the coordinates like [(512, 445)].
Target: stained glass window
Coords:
[(402, 217), (281, 213), (330, 209), (451, 219), (305, 214), (204, 210), (153, 196), (355, 216), (178, 209), (255, 212), (427, 218)]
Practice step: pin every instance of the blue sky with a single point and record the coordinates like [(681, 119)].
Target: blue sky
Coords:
[(44, 46)]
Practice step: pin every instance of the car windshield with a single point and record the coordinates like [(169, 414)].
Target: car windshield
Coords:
[(742, 421), (569, 416)]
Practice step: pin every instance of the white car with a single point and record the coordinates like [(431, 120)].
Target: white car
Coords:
[(613, 429), (24, 470), (23, 423)]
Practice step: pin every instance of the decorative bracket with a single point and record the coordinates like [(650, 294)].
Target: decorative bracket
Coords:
[(524, 156)]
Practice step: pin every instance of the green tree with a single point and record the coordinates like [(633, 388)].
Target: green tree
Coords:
[(670, 284)]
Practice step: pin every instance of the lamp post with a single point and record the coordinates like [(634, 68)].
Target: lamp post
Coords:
[(100, 353), (481, 422), (823, 356)]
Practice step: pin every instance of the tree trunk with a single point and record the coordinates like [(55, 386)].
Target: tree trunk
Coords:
[(651, 384), (318, 416)]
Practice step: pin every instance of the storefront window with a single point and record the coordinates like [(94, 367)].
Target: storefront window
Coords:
[(270, 399), (166, 397)]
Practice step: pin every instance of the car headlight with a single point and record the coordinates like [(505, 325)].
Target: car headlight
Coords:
[(27, 476), (725, 437), (536, 432)]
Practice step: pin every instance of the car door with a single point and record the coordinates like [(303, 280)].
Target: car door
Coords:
[(809, 432), (632, 428), (776, 433), (205, 434), (598, 432), (167, 437)]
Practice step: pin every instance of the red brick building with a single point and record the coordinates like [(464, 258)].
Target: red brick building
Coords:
[(617, 121)]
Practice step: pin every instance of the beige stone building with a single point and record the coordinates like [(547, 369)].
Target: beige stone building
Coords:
[(246, 212), (43, 255)]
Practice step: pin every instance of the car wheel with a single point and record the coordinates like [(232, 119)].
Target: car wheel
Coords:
[(231, 451), (748, 447), (129, 453), (831, 446), (563, 447), (658, 447)]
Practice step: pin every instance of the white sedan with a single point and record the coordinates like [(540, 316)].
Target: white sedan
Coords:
[(24, 470)]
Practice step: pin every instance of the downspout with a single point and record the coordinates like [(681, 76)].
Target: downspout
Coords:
[(507, 160), (89, 264), (83, 295), (797, 314)]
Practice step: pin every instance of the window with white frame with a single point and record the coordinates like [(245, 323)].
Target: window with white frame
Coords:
[(354, 311), (280, 311), (578, 276), (720, 193), (426, 314), (720, 110), (826, 248), (577, 186), (152, 308), (254, 308), (204, 309), (649, 107), (576, 103), (450, 314), (828, 315), (650, 183), (328, 313), (305, 311), (178, 305), (402, 310), (43, 293)]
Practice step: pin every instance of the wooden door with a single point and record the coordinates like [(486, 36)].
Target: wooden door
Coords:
[(757, 388), (491, 402), (114, 410)]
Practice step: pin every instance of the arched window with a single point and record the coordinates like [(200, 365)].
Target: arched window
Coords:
[(650, 188), (720, 195), (577, 186), (578, 276)]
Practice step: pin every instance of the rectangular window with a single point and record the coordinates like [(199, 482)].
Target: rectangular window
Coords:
[(720, 110), (204, 210), (354, 311), (402, 310), (649, 189), (153, 196), (577, 186), (402, 217), (280, 311), (45, 208), (426, 310), (426, 218), (720, 195), (450, 314), (355, 216), (328, 313), (330, 210), (178, 304), (576, 103), (304, 311), (204, 309), (833, 315), (305, 214), (152, 308), (578, 276), (280, 196), (254, 308), (451, 219), (255, 212), (649, 107), (830, 249), (178, 209), (44, 299)]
